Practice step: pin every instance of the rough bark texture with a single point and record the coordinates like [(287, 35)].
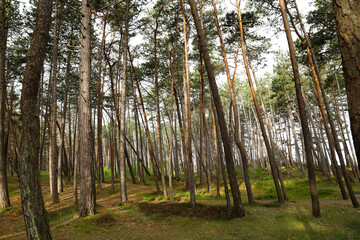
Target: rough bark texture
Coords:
[(4, 193), (239, 208), (304, 122), (347, 14), (36, 221), (87, 177)]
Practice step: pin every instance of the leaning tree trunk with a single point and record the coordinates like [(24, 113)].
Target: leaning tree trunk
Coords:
[(87, 176), (320, 88), (36, 221), (304, 123), (239, 208), (347, 14), (274, 168), (4, 192), (238, 142)]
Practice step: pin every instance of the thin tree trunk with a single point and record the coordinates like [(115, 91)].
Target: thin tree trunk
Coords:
[(159, 136), (4, 191), (187, 116), (53, 154), (203, 124), (216, 155), (100, 93), (76, 156), (62, 128), (124, 197), (304, 123)]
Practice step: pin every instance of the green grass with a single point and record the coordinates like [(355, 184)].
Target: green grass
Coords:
[(64, 213), (156, 218)]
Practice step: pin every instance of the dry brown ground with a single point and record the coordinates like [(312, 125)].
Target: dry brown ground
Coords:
[(12, 222)]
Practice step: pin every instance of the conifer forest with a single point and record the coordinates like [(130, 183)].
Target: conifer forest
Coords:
[(179, 119)]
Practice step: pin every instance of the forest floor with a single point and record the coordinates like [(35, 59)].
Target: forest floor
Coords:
[(151, 216)]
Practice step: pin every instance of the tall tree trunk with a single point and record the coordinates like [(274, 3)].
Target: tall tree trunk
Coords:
[(239, 208), (4, 191), (100, 93), (123, 109), (62, 128), (304, 123), (347, 14), (87, 175), (76, 155), (187, 116), (216, 155), (53, 153), (36, 221), (203, 124), (159, 136), (171, 61)]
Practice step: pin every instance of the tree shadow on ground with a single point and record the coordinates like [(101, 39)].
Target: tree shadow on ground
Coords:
[(200, 211)]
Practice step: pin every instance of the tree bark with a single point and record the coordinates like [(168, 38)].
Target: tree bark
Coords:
[(159, 136), (36, 221), (4, 191), (100, 95), (347, 14), (123, 109), (53, 153), (62, 128), (87, 175), (187, 116)]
